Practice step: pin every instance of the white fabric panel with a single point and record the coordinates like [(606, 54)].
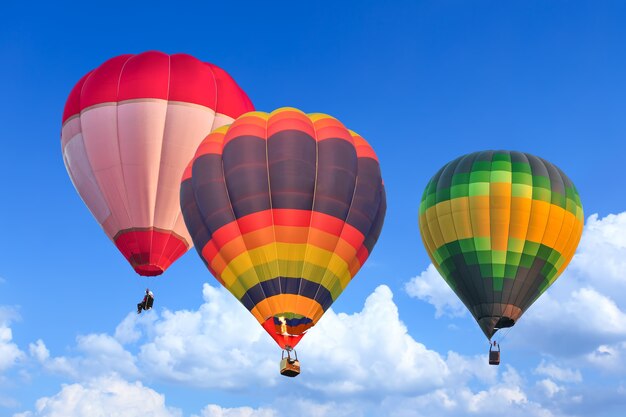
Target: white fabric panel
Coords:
[(221, 120), (80, 171), (71, 128)]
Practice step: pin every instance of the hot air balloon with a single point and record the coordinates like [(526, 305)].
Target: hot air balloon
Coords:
[(284, 209), (129, 128), (500, 227)]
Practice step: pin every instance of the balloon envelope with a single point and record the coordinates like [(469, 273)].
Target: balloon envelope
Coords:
[(284, 209), (500, 227), (129, 128)]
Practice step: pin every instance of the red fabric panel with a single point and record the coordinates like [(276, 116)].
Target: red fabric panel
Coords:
[(362, 254), (282, 340), (187, 172), (231, 100), (72, 105), (146, 75), (292, 217), (101, 86), (192, 81), (154, 74), (150, 252), (255, 221)]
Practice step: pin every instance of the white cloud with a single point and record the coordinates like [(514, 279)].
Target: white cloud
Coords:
[(560, 374), (429, 286), (98, 354), (504, 397), (609, 358), (349, 367), (214, 410), (106, 396), (549, 387), (220, 345), (10, 353), (369, 351), (601, 258)]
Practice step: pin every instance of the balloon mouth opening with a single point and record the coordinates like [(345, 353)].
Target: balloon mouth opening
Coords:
[(149, 270), (285, 338)]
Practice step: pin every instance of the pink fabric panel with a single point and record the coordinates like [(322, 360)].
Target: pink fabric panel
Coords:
[(140, 137), (99, 132), (186, 125)]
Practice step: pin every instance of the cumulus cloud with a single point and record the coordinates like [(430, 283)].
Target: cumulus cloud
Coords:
[(10, 353), (214, 410), (560, 374), (369, 351), (219, 345), (97, 354), (609, 358), (549, 387), (105, 396), (505, 396), (429, 286), (601, 258), (360, 364)]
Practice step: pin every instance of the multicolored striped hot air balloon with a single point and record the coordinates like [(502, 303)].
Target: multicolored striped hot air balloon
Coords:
[(284, 209), (129, 128), (500, 227)]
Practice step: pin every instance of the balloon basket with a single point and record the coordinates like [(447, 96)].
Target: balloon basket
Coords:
[(289, 366), (494, 356)]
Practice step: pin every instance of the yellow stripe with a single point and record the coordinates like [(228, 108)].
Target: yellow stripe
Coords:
[(290, 260), (461, 217), (499, 217)]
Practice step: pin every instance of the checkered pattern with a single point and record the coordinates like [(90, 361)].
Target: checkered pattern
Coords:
[(500, 227)]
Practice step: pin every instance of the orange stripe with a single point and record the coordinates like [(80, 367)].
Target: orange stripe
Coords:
[(290, 303), (238, 244), (323, 240), (226, 233), (289, 119), (363, 149), (248, 124), (244, 130), (290, 234), (210, 147), (333, 132)]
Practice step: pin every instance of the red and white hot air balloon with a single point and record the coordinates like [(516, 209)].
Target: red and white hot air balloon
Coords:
[(130, 127)]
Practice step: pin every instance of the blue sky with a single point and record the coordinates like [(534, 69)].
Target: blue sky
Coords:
[(423, 82)]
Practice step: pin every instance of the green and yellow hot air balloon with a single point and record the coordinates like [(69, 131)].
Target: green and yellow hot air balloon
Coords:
[(500, 227)]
